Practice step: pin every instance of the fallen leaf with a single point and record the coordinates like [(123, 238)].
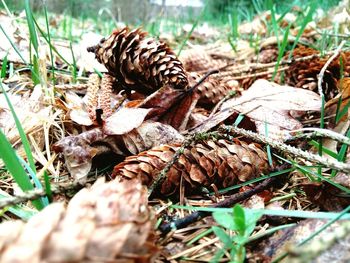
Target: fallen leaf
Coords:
[(267, 103)]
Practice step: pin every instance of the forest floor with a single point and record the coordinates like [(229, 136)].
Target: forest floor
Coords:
[(114, 150)]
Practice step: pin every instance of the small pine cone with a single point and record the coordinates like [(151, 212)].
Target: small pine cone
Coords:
[(222, 163), (92, 95), (139, 62), (304, 74), (199, 60), (212, 90), (268, 54)]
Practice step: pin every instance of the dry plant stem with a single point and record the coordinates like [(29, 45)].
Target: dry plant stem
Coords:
[(228, 202), (323, 70), (317, 132), (80, 86), (343, 167), (218, 105), (239, 70), (37, 193)]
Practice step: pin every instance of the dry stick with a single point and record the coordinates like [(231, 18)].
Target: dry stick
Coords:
[(37, 193), (254, 66), (287, 148), (318, 132), (325, 66), (228, 202), (218, 105)]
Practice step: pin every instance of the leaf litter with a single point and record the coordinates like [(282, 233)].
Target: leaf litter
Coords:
[(162, 130)]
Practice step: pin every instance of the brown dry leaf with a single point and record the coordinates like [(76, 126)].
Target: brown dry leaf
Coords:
[(124, 120), (80, 149), (77, 109), (208, 163), (327, 196), (32, 113), (270, 103), (108, 222)]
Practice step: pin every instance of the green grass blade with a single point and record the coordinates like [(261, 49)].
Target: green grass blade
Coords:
[(21, 132), (4, 67), (48, 187), (8, 155), (14, 47), (274, 22), (49, 42), (46, 37), (74, 65), (307, 19), (32, 31), (35, 179), (281, 51)]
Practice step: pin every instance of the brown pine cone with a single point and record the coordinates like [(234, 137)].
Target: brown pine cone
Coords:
[(212, 90), (214, 162), (197, 59), (139, 62), (304, 74)]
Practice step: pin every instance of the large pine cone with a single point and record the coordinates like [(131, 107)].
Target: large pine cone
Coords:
[(219, 162), (139, 62)]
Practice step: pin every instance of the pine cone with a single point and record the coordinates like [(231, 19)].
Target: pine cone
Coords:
[(220, 162), (268, 54), (304, 74), (212, 90), (139, 62), (196, 59)]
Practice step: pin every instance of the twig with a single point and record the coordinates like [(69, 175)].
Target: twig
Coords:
[(325, 66), (218, 105), (317, 132), (233, 199), (37, 193), (344, 167)]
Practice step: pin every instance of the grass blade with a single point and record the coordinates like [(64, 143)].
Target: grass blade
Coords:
[(31, 26), (8, 155), (21, 132)]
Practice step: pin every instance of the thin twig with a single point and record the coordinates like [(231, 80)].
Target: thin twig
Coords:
[(37, 193), (228, 202), (317, 132), (325, 66), (334, 164)]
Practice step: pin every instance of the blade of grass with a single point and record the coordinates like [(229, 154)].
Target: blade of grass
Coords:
[(281, 51), (32, 32), (340, 215), (35, 179), (307, 19), (21, 132), (261, 178), (8, 155), (50, 44), (317, 175), (74, 65), (42, 33), (194, 25), (271, 7), (4, 67), (273, 212), (48, 187)]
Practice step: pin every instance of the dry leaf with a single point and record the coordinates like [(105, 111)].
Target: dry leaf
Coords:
[(80, 149), (267, 103)]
